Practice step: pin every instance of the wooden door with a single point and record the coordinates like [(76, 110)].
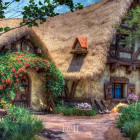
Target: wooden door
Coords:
[(22, 98), (118, 90)]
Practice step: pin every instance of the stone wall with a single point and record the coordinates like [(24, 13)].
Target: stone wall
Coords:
[(38, 96)]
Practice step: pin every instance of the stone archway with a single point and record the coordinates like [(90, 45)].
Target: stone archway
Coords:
[(22, 98)]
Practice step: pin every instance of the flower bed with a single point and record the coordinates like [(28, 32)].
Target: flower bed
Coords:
[(69, 111)]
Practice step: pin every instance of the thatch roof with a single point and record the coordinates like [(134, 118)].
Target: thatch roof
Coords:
[(57, 35)]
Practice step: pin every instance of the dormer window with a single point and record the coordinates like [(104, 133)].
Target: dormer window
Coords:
[(79, 46)]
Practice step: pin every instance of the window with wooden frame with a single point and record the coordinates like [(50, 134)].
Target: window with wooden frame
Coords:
[(117, 90)]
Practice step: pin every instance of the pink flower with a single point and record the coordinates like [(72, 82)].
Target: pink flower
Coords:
[(13, 70)]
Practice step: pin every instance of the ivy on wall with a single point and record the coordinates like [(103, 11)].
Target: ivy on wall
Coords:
[(14, 64)]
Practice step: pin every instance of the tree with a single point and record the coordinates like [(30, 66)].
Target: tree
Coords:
[(132, 18), (36, 11)]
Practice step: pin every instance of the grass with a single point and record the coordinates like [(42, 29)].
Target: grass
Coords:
[(72, 111)]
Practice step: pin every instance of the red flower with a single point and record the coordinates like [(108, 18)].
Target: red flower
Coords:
[(13, 69), (20, 57), (9, 95), (15, 84), (16, 72), (4, 85), (15, 52), (12, 99), (16, 76), (3, 81), (2, 74), (1, 87), (26, 64), (37, 69), (22, 54), (8, 80), (1, 100)]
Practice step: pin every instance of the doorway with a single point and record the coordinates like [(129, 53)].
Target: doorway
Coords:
[(22, 98)]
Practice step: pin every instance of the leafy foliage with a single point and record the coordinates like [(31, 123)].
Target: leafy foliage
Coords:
[(132, 19), (37, 10), (129, 113), (19, 124), (131, 129), (14, 64)]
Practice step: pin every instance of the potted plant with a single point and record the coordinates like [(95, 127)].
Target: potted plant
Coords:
[(132, 98)]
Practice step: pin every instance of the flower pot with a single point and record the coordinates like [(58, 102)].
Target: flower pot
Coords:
[(132, 101), (84, 109)]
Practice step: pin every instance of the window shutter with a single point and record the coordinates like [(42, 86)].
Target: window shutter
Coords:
[(130, 88), (108, 91)]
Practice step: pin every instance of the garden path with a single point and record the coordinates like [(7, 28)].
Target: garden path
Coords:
[(59, 127)]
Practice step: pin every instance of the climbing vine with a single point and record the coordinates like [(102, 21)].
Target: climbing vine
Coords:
[(14, 65)]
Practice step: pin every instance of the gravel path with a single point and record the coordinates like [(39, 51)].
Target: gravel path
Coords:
[(59, 127)]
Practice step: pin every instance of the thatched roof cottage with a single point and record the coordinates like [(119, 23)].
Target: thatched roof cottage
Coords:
[(102, 69)]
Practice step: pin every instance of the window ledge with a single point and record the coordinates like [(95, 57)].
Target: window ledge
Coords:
[(119, 100)]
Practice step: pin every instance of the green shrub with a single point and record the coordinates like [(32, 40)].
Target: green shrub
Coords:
[(131, 129), (127, 126), (68, 111), (128, 113), (58, 109), (19, 125)]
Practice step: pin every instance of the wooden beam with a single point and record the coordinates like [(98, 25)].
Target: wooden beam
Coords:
[(136, 54), (118, 37), (113, 47), (67, 92), (27, 37), (119, 80), (74, 84), (111, 53), (125, 50), (133, 48), (114, 66), (122, 61), (130, 68)]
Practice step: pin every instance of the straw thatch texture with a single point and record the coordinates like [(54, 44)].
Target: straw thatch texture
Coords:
[(58, 34)]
